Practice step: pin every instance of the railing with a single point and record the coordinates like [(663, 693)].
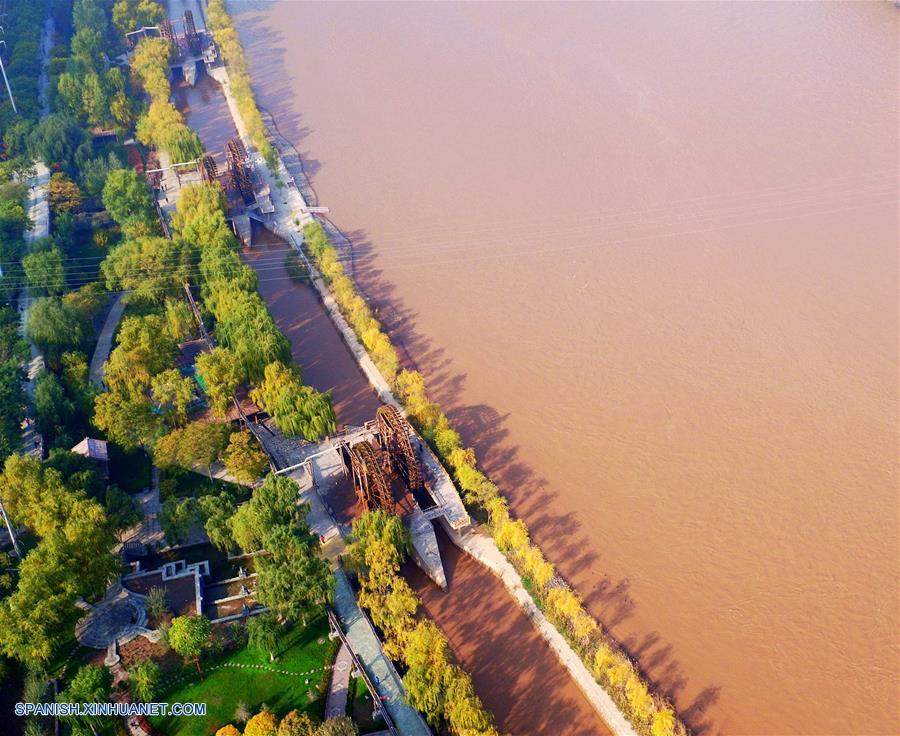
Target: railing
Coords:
[(336, 627)]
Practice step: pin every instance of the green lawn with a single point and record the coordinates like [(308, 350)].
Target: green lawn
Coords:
[(225, 687), (359, 707)]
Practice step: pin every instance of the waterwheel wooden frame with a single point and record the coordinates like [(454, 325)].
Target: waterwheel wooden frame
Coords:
[(236, 155), (208, 170), (393, 431), (372, 490)]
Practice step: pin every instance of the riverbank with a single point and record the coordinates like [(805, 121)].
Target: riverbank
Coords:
[(286, 225), (297, 214)]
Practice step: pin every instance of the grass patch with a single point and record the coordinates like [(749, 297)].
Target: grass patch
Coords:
[(532, 589), (359, 705), (225, 687)]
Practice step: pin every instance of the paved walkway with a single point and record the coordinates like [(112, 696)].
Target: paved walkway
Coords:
[(336, 703), (149, 532), (104, 340), (38, 210), (44, 81), (359, 631), (367, 647)]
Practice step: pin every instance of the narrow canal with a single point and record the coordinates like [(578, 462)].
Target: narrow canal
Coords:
[(513, 670)]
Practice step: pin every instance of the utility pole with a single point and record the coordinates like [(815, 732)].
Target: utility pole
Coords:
[(12, 532), (3, 69)]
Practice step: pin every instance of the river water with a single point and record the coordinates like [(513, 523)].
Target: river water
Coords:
[(646, 254)]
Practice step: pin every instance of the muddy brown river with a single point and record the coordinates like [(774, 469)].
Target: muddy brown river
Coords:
[(646, 254)]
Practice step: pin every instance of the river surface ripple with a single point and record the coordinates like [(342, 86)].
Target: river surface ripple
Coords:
[(646, 255)]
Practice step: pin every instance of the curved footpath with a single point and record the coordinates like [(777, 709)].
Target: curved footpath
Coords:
[(104, 341)]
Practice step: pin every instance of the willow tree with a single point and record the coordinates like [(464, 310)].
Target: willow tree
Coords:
[(298, 410)]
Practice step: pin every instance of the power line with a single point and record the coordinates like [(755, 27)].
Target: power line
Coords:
[(84, 269), (628, 215), (509, 255)]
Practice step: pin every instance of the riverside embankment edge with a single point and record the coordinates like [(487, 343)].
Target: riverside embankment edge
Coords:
[(477, 545)]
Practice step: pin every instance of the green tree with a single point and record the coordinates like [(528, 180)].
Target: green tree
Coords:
[(244, 458), (87, 47), (69, 88), (338, 726), (55, 139), (86, 303), (12, 402), (121, 107), (129, 15), (296, 723), (427, 656), (189, 637), (264, 632), (54, 327), (295, 586), (273, 506), (12, 347), (245, 327), (127, 422), (121, 509), (218, 511), (71, 559), (54, 410), (90, 685), (207, 441), (145, 349), (173, 394), (76, 382), (179, 320), (127, 198), (383, 526), (178, 517), (297, 409), (143, 679), (151, 267), (217, 369), (6, 582), (45, 271)]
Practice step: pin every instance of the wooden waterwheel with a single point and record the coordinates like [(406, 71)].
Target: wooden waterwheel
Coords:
[(394, 433), (372, 490)]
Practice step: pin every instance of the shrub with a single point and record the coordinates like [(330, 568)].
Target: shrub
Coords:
[(263, 723)]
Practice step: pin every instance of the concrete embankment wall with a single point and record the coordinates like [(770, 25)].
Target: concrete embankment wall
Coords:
[(483, 549)]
